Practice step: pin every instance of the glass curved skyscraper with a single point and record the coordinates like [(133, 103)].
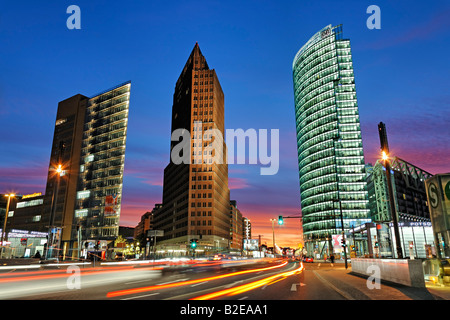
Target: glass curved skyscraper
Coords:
[(329, 143)]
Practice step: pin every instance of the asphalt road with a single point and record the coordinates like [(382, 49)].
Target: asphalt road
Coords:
[(267, 280)]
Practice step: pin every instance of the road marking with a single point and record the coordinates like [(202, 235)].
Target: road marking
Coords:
[(145, 295), (233, 284), (137, 281), (243, 298), (160, 284), (186, 295), (294, 286), (22, 267), (197, 284), (342, 293)]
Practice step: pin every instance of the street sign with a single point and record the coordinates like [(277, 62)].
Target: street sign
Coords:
[(155, 233)]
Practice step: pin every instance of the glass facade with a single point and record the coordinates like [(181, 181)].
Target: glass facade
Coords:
[(408, 185), (99, 191), (330, 152), (416, 239)]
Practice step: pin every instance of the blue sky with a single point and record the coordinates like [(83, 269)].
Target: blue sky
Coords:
[(401, 73)]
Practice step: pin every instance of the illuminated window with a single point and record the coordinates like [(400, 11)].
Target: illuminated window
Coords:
[(83, 194), (89, 158), (81, 213), (29, 203)]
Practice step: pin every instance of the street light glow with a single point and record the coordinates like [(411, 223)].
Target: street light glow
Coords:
[(3, 233)]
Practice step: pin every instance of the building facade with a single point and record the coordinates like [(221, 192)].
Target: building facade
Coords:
[(416, 239), (408, 183), (236, 230), (329, 143), (195, 191), (146, 222), (438, 195), (246, 228), (27, 214), (82, 199), (410, 202), (7, 203)]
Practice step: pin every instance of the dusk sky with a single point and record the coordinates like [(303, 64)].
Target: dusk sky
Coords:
[(401, 72)]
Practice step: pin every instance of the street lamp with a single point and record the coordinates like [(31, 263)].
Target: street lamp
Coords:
[(385, 157), (387, 166), (6, 216), (51, 233)]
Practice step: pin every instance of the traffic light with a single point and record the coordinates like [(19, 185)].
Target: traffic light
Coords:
[(343, 242), (376, 244), (193, 243), (280, 220)]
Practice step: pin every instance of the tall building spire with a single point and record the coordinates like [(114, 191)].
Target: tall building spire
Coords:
[(195, 193), (196, 61)]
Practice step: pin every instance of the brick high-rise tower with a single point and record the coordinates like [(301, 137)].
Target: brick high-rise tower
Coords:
[(196, 197)]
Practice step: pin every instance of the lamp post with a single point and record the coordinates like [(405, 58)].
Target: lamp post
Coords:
[(51, 233), (6, 217), (385, 157), (59, 170), (273, 235), (387, 166)]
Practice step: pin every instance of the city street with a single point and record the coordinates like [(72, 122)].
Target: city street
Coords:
[(173, 159), (268, 279)]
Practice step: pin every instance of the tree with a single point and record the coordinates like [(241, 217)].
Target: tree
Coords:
[(120, 242)]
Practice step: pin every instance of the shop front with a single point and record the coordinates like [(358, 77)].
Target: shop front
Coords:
[(377, 240), (25, 244)]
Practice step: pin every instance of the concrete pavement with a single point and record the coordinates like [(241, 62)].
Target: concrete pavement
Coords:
[(355, 287)]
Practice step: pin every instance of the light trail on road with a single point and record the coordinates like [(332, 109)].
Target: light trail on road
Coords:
[(54, 274), (251, 285), (189, 282)]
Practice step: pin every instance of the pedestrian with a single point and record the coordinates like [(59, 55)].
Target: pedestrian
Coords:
[(332, 258), (37, 255)]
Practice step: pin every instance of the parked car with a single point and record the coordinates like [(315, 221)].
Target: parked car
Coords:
[(308, 259)]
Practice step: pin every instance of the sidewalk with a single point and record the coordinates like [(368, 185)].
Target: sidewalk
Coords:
[(438, 291), (354, 286)]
